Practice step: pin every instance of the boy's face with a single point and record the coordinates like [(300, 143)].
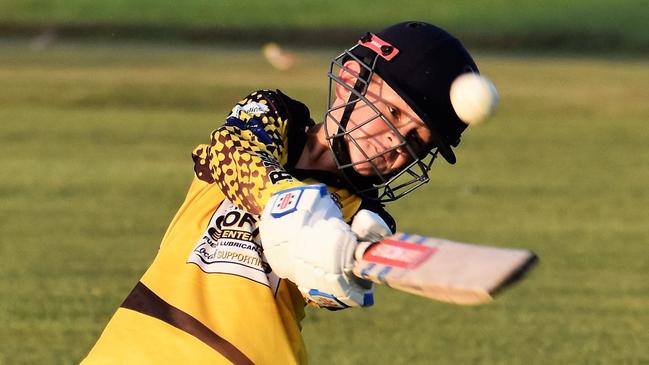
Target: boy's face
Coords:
[(374, 144)]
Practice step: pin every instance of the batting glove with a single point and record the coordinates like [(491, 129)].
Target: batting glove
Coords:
[(306, 241), (368, 227)]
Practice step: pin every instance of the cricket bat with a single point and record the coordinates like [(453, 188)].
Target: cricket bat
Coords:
[(440, 269)]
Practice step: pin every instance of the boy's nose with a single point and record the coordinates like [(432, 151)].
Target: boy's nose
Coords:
[(392, 139), (395, 144), (403, 131)]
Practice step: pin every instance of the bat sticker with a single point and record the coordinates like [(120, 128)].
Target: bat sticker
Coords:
[(398, 253)]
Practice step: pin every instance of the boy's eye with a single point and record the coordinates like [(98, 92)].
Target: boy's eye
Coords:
[(394, 111)]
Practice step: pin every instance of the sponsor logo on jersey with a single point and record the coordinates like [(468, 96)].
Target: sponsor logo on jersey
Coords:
[(230, 245), (252, 109), (276, 175)]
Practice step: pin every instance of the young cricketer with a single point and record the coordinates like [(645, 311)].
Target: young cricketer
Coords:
[(271, 219)]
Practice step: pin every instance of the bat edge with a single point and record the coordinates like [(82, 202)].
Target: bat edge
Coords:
[(520, 273)]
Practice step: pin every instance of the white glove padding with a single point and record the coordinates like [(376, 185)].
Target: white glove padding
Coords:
[(369, 227), (306, 241)]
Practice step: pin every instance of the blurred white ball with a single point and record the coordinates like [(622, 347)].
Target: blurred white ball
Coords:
[(278, 57), (473, 97)]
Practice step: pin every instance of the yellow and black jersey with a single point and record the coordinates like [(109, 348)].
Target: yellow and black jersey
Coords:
[(248, 155), (210, 297)]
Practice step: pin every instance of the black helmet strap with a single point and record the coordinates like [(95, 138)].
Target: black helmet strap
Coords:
[(362, 82), (338, 144)]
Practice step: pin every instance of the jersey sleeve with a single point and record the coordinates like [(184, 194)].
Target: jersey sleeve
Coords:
[(246, 155)]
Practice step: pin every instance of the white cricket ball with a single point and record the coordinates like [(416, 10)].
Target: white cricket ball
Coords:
[(474, 97)]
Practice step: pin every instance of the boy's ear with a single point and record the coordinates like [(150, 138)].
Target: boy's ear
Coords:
[(348, 74)]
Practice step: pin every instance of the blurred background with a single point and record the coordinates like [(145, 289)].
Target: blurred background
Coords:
[(102, 102)]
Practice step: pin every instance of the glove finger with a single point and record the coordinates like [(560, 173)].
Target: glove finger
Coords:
[(369, 226)]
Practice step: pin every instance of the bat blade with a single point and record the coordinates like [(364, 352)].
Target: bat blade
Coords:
[(444, 270)]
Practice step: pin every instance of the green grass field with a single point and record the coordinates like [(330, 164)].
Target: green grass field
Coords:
[(608, 20), (95, 145)]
